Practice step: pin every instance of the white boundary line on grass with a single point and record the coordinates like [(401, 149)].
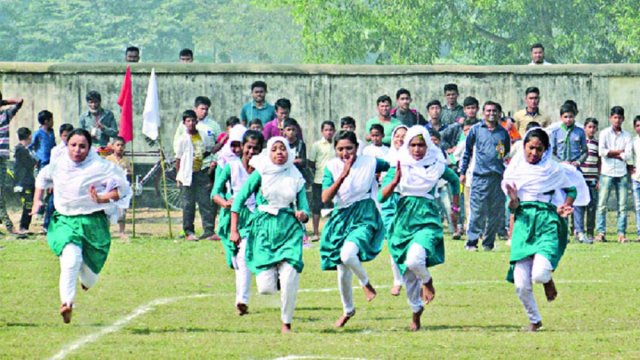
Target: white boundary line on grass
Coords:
[(320, 357), (143, 309)]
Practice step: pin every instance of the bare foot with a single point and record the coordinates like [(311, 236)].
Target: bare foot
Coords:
[(534, 327), (84, 287), (428, 292), (342, 321), (369, 291), (395, 291), (415, 321), (124, 238), (286, 329), (242, 309), (65, 311), (550, 290)]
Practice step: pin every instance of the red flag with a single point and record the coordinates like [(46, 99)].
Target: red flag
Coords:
[(126, 108)]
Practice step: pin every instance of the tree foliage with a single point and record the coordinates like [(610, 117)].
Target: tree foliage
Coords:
[(466, 31), (100, 30)]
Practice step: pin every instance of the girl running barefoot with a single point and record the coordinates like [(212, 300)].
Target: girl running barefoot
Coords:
[(229, 181), (86, 190), (415, 236), (541, 195), (275, 232), (355, 231), (388, 207)]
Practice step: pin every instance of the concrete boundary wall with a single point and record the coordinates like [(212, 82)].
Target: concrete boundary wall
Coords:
[(318, 92)]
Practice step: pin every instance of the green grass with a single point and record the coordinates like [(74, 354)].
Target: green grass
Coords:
[(476, 314)]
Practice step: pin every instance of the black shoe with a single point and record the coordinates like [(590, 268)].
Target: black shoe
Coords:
[(487, 248)]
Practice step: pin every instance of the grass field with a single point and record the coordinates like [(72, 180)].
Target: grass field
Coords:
[(164, 298)]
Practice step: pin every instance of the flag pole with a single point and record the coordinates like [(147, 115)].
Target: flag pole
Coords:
[(164, 185)]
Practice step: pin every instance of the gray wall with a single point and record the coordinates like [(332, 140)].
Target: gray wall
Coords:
[(318, 92)]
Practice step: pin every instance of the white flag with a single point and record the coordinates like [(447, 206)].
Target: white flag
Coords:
[(151, 114)]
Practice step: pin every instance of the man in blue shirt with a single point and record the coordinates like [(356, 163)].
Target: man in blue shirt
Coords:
[(258, 108), (489, 143)]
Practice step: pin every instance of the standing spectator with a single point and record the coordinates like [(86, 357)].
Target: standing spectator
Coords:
[(615, 147), (296, 144), (186, 56), (348, 123), (5, 120), (568, 142), (122, 162), (61, 148), (384, 118), (196, 184), (434, 109), (451, 135), (25, 182), (403, 111), (537, 55), (256, 125), (321, 152), (636, 172), (531, 112), (132, 54), (100, 122), (451, 111), (590, 169), (44, 139), (376, 149), (275, 126), (258, 108), (490, 143)]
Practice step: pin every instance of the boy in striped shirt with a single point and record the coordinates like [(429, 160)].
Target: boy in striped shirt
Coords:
[(590, 168)]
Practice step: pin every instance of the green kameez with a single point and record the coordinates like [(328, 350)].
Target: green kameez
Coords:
[(89, 232), (417, 221), (538, 229), (271, 238), (360, 223), (224, 221)]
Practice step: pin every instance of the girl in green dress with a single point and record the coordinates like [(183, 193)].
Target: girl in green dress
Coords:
[(355, 230), (274, 239), (229, 180), (388, 207), (541, 194), (415, 235), (88, 191)]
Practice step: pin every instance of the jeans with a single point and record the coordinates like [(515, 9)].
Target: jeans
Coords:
[(26, 198), (636, 198), (589, 210), (444, 200), (620, 185), (199, 192), (4, 216)]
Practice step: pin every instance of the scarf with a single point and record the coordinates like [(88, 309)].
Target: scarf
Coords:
[(226, 154), (420, 176), (544, 180), (280, 183)]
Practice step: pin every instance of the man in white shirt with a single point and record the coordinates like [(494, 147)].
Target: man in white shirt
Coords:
[(616, 151), (537, 55)]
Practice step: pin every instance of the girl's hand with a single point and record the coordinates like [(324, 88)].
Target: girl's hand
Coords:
[(234, 236), (302, 216), (512, 192), (93, 193), (565, 210), (398, 176), (347, 167)]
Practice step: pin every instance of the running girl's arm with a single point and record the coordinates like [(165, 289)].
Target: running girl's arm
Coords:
[(44, 181), (389, 183), (249, 188), (566, 209), (302, 212), (112, 195), (220, 187), (329, 186)]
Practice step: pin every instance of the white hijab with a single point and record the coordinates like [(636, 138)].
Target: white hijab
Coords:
[(392, 155), (420, 176), (71, 182), (226, 154), (533, 180), (280, 183)]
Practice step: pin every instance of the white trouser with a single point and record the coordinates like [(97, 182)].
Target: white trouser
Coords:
[(350, 265), (527, 271), (397, 276), (289, 279), (416, 275), (243, 275), (71, 265)]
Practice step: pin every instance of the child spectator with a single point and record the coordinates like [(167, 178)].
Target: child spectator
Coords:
[(118, 145), (5, 120), (376, 149), (61, 149), (568, 142), (298, 146), (444, 193), (348, 123), (590, 169), (193, 179), (321, 152), (44, 139), (25, 182), (256, 124)]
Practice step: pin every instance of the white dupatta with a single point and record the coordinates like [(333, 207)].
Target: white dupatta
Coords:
[(419, 177)]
